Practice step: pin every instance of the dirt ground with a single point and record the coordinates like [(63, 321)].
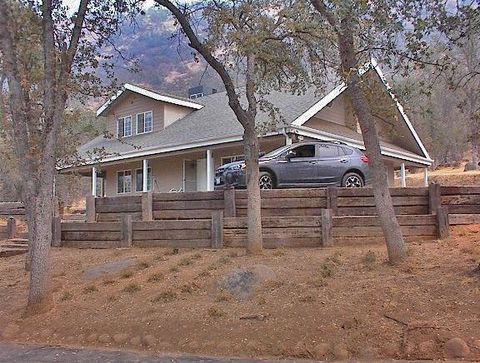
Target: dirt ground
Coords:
[(445, 176), (338, 302)]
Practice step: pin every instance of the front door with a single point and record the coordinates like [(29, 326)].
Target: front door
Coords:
[(301, 167), (189, 175)]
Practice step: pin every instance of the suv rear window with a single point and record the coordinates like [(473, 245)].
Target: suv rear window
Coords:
[(329, 151), (347, 151)]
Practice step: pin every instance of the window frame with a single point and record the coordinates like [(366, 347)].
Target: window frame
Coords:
[(340, 151), (239, 157), (123, 118), (136, 123), (149, 187), (123, 186)]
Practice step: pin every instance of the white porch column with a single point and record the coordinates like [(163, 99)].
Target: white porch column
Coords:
[(210, 171), (403, 180), (425, 177), (94, 181), (145, 176)]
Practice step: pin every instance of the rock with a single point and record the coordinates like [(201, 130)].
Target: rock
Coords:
[(476, 343), (120, 338), (92, 338), (241, 282), (149, 340), (340, 352), (469, 166), (390, 350), (10, 330), (104, 338), (427, 349), (136, 340), (456, 348), (321, 350)]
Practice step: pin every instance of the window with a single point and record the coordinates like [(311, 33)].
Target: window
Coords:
[(124, 126), (196, 95), (139, 180), (124, 181), (144, 122), (304, 151), (231, 159), (329, 151)]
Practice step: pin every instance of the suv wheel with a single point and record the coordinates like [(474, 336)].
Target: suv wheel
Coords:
[(352, 180), (265, 180)]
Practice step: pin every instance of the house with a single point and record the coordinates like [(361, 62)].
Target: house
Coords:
[(164, 143)]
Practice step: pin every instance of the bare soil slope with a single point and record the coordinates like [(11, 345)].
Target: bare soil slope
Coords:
[(312, 303)]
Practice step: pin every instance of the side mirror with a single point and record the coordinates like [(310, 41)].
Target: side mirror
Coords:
[(291, 154)]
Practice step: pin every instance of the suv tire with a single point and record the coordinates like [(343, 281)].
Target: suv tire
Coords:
[(266, 180), (352, 180)]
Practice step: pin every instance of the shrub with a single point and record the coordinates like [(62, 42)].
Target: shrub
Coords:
[(132, 288), (156, 277), (370, 259), (174, 269), (223, 296), (166, 296), (67, 295), (143, 265), (89, 289), (215, 312), (186, 261), (109, 282), (126, 274), (189, 288)]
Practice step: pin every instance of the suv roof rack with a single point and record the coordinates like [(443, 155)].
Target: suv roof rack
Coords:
[(333, 142)]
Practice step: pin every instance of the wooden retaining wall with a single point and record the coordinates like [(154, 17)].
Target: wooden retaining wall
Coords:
[(12, 209), (463, 204)]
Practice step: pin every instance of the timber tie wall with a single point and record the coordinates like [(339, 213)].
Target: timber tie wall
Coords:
[(290, 218)]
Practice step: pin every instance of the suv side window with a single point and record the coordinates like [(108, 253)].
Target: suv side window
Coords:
[(329, 151), (304, 151)]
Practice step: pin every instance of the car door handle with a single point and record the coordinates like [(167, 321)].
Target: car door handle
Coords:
[(344, 161)]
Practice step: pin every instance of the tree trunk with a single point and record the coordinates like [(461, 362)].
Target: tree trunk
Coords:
[(474, 143), (38, 297), (383, 200), (254, 211)]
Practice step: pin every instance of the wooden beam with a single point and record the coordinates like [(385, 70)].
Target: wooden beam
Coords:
[(90, 209), (434, 198), (217, 229), (127, 230), (403, 175), (147, 206), (332, 202), (327, 236), (443, 225), (230, 208), (11, 228)]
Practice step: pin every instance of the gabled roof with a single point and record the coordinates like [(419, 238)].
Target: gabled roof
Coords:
[(337, 91), (151, 94)]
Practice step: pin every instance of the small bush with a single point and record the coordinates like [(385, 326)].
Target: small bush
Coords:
[(261, 301), (204, 273), (307, 299), (109, 282), (171, 252), (224, 260), (132, 288), (143, 265), (278, 253), (156, 277), (223, 296), (189, 288), (327, 269), (126, 274), (197, 256), (174, 269), (67, 295), (186, 261), (370, 259), (166, 296), (215, 312), (89, 289)]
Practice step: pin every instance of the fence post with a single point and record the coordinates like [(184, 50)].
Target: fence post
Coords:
[(90, 209), (147, 206), (127, 230), (331, 195), (443, 224), (57, 231), (11, 228), (434, 198), (327, 237), (217, 229), (229, 202)]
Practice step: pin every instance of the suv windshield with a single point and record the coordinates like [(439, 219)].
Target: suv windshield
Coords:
[(276, 152)]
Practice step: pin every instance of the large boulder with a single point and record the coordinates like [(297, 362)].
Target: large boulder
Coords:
[(456, 348), (241, 282)]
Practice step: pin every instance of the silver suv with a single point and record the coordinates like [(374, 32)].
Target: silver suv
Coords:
[(306, 164)]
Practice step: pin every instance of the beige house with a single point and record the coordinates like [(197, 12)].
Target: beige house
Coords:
[(170, 144)]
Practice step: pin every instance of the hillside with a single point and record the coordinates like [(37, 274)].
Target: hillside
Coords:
[(164, 62)]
